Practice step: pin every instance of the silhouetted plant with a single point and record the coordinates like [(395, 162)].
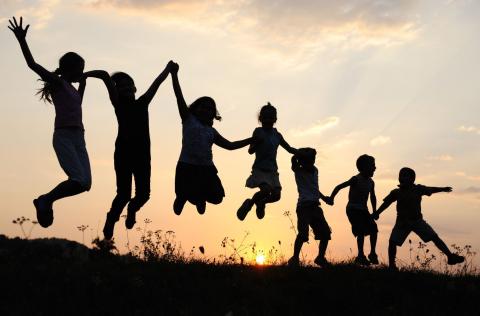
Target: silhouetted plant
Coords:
[(82, 228), (104, 246), (20, 221)]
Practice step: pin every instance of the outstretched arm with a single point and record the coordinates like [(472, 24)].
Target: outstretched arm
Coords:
[(20, 34), (150, 93), (107, 80), (182, 105), (383, 207), (220, 141), (433, 190), (340, 187), (286, 146)]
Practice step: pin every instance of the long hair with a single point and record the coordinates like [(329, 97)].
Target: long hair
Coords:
[(202, 101), (67, 62)]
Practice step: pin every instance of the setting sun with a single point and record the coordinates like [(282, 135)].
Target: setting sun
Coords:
[(260, 259)]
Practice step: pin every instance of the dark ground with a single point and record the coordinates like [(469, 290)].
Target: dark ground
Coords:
[(59, 277)]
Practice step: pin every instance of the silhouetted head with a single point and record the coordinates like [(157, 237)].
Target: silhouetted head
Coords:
[(268, 115), (70, 68), (205, 110), (366, 165), (406, 176), (125, 86)]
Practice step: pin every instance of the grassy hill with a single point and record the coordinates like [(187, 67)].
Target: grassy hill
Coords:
[(61, 277)]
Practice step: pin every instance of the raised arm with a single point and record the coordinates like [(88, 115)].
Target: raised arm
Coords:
[(340, 187), (150, 93), (20, 34), (220, 141), (373, 197), (286, 146), (182, 105), (107, 80)]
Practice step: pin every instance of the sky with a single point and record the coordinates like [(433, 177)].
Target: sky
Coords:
[(394, 79)]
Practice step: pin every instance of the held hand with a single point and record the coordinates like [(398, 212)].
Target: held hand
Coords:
[(375, 215), (328, 200), (173, 67), (447, 189), (17, 29)]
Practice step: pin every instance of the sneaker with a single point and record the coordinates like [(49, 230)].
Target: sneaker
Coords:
[(108, 228), (454, 259), (44, 212), (373, 258), (244, 209), (321, 261), (293, 262), (260, 210), (130, 220), (201, 206), (362, 260), (178, 205)]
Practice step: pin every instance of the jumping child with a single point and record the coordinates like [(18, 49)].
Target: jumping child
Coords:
[(361, 186), (408, 196), (196, 179), (265, 142), (68, 136)]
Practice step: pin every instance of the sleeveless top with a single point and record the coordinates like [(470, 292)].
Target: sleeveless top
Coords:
[(266, 151), (68, 106), (197, 141)]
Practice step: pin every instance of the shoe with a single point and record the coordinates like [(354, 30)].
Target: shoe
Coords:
[(244, 209), (362, 260), (108, 228), (454, 259), (178, 205), (44, 212), (321, 261), (373, 258), (293, 262), (201, 206), (130, 220), (260, 210)]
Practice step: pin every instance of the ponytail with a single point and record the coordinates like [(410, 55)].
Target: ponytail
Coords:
[(45, 92)]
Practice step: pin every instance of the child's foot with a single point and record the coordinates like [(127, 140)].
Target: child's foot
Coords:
[(293, 262), (201, 207), (260, 210), (178, 205), (454, 259), (108, 228), (373, 258), (130, 220), (244, 209), (362, 260), (321, 261), (44, 211)]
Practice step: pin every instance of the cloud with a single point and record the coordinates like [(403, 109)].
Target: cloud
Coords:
[(465, 175), (469, 129), (469, 190), (318, 128), (37, 13), (380, 140), (440, 158)]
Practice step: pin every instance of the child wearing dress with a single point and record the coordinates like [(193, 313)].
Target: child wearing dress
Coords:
[(265, 142)]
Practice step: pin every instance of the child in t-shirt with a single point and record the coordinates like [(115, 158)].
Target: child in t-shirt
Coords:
[(408, 196)]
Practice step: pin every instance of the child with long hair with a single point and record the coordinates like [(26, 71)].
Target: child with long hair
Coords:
[(68, 137), (196, 179), (265, 142), (132, 146)]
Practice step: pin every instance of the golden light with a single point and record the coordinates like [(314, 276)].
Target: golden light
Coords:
[(260, 259)]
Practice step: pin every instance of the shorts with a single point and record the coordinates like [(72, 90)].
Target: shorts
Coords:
[(71, 151), (196, 183), (401, 230), (259, 177), (311, 214), (361, 221)]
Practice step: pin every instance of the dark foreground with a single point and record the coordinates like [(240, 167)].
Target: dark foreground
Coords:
[(55, 277)]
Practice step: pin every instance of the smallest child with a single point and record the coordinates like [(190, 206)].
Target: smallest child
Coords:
[(408, 196), (309, 212)]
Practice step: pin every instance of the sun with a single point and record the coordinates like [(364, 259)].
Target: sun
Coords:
[(260, 259)]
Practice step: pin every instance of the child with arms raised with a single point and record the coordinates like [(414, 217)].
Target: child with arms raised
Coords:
[(196, 179), (361, 187), (132, 146), (265, 142), (68, 136), (408, 196), (309, 212)]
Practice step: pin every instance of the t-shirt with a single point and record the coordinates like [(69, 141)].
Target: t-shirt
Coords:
[(68, 105), (408, 201), (360, 188), (197, 142), (266, 151), (307, 185), (133, 126)]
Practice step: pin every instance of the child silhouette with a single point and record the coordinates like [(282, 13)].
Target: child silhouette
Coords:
[(68, 137), (265, 142), (408, 196), (361, 187)]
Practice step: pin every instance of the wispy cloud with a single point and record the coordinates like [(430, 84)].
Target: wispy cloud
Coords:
[(317, 128), (440, 158), (465, 175), (469, 129), (380, 141), (38, 13)]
